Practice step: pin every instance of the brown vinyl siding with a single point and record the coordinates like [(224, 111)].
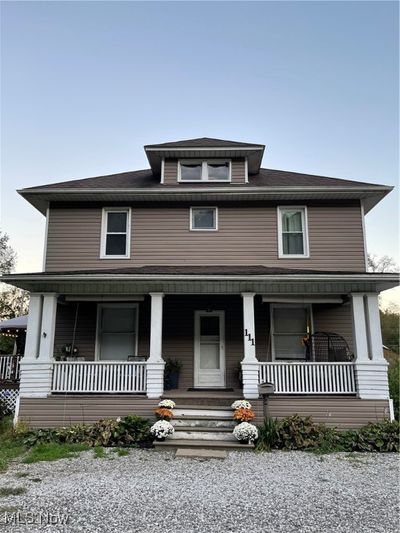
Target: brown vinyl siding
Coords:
[(245, 236), (171, 172), (63, 410), (85, 334), (343, 412), (334, 318)]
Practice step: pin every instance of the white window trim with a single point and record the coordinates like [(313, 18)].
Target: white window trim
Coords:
[(272, 329), (304, 221), (105, 212), (203, 207), (204, 170), (101, 306)]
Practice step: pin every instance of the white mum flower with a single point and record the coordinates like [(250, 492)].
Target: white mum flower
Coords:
[(169, 404), (162, 429), (246, 432), (241, 404)]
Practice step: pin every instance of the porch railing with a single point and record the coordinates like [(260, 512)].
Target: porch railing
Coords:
[(10, 368), (99, 377), (309, 378)]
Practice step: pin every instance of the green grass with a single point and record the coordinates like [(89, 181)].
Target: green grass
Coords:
[(99, 452), (53, 451), (10, 447), (11, 491), (8, 509), (121, 452)]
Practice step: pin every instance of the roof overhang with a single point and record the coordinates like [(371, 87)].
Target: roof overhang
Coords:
[(254, 155), (123, 284), (41, 198)]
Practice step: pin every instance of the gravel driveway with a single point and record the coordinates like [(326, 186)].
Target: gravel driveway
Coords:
[(149, 491)]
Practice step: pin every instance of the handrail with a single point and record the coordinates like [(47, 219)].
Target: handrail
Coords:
[(298, 377), (99, 376)]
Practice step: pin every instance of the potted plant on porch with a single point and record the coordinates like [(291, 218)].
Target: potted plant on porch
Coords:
[(171, 374)]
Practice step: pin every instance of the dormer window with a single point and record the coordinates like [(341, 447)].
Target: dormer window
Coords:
[(199, 171)]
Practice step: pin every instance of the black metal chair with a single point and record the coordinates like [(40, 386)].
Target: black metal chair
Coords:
[(329, 347)]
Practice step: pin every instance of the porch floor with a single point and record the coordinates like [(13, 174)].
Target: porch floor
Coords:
[(209, 394)]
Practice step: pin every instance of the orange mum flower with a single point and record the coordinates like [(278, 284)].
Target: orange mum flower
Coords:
[(163, 413), (244, 415)]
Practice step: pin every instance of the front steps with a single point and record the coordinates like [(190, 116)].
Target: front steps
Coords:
[(202, 427)]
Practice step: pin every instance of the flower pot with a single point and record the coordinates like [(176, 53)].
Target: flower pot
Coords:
[(244, 441), (171, 380), (160, 439)]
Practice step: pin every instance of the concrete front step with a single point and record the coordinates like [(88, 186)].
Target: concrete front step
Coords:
[(173, 444), (207, 422), (196, 411), (201, 453), (206, 434)]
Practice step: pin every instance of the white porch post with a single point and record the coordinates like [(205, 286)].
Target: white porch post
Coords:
[(370, 365), (33, 329), (250, 364), (155, 364), (37, 363)]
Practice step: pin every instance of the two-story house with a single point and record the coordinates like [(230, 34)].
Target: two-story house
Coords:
[(243, 274)]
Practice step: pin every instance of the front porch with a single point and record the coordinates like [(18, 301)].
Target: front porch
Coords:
[(109, 345)]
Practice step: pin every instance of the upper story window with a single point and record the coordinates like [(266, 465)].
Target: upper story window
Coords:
[(292, 232), (199, 171), (203, 219), (115, 233)]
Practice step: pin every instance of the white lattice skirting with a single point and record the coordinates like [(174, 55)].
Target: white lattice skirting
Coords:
[(9, 396)]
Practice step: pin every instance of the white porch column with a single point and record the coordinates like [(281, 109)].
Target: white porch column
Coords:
[(155, 364), (370, 365), (33, 329), (37, 363), (250, 364)]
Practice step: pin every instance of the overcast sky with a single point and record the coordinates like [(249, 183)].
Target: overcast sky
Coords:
[(86, 84)]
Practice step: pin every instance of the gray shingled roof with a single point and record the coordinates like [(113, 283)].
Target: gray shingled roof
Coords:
[(212, 270), (203, 142), (145, 179)]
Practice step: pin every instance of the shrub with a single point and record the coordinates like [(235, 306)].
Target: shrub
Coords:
[(3, 409), (297, 433), (128, 431), (267, 435), (377, 437)]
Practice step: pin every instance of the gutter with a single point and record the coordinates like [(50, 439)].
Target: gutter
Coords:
[(174, 277)]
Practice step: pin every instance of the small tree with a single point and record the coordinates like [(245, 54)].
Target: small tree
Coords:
[(13, 301), (8, 257), (384, 263)]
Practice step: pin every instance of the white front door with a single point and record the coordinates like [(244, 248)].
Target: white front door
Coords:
[(116, 331), (209, 349)]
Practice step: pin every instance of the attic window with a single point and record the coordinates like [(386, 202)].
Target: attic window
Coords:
[(210, 170)]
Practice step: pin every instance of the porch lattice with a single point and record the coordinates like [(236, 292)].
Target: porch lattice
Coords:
[(9, 397)]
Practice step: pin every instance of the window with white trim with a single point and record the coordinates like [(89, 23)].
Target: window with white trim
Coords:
[(115, 234), (292, 232), (290, 325), (203, 218), (210, 170)]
